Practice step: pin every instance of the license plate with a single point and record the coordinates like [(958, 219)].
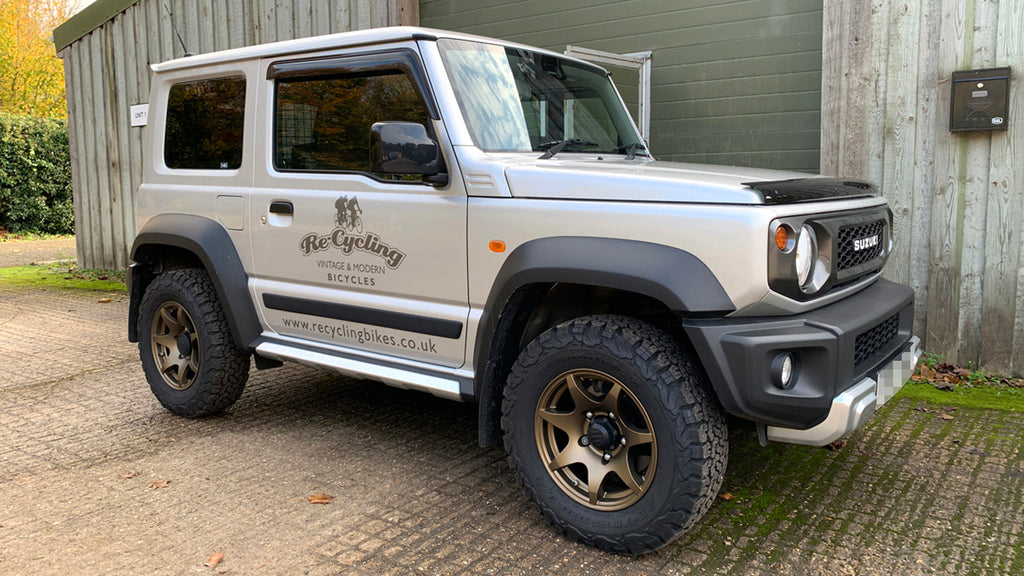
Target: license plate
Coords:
[(892, 377)]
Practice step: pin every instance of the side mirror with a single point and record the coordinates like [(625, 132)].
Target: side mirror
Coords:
[(404, 148)]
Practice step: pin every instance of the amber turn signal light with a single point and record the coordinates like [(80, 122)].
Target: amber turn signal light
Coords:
[(782, 237), (496, 246)]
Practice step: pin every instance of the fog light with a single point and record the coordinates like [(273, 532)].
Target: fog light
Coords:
[(782, 371)]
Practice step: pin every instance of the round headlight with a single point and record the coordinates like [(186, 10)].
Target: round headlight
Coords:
[(804, 254)]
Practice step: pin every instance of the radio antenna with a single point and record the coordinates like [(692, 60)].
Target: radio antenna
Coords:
[(176, 33)]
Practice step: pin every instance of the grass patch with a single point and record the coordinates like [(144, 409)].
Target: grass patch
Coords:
[(987, 396), (6, 236), (63, 276)]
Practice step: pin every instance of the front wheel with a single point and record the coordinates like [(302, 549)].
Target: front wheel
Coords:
[(614, 434), (188, 356)]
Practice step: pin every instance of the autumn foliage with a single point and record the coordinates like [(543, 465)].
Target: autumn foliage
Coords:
[(31, 75)]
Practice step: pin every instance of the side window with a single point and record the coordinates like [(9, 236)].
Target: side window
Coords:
[(322, 123), (204, 124)]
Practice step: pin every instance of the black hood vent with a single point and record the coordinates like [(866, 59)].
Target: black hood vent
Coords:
[(810, 189)]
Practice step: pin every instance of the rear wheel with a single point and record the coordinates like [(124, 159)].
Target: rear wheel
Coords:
[(614, 434), (188, 356)]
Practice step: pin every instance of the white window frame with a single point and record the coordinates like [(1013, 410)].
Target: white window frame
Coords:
[(639, 61)]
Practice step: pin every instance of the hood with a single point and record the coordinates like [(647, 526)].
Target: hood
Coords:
[(589, 178)]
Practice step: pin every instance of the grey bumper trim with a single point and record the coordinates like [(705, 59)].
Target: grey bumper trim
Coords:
[(852, 408)]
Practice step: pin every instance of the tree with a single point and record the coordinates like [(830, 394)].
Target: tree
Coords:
[(31, 75)]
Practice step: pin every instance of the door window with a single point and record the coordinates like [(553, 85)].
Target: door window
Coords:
[(322, 123)]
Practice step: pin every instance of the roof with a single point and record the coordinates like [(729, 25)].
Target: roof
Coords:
[(90, 18), (327, 42)]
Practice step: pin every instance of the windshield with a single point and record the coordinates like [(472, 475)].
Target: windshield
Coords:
[(516, 100)]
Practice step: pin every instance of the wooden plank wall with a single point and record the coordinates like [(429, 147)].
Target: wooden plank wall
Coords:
[(107, 71), (958, 198)]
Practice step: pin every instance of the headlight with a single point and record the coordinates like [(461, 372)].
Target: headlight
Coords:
[(804, 255)]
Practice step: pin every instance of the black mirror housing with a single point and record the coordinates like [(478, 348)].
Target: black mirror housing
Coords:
[(403, 148)]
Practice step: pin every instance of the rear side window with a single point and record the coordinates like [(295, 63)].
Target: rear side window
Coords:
[(323, 123), (204, 124)]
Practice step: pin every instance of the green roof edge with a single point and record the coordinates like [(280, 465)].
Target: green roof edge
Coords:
[(90, 18)]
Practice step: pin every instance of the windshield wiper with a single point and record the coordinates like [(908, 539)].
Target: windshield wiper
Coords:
[(630, 150), (556, 146)]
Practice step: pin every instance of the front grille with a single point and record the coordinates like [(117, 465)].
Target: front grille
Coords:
[(869, 343), (848, 256)]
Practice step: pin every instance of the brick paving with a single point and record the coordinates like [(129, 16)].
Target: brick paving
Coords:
[(909, 494)]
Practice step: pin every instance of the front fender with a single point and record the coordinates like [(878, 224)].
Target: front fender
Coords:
[(672, 276)]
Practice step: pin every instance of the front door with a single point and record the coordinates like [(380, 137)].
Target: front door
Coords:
[(343, 256)]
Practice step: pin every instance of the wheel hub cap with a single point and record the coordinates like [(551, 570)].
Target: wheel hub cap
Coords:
[(603, 433), (184, 344)]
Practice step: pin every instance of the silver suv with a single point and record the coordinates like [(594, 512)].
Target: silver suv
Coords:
[(482, 221)]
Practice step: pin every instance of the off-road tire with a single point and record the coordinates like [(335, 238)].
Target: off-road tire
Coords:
[(217, 372), (687, 427)]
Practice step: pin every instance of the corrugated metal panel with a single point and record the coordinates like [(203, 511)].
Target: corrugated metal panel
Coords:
[(107, 71), (958, 199), (733, 83)]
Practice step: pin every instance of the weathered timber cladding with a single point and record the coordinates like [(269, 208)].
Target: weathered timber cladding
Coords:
[(107, 71), (732, 82), (958, 198)]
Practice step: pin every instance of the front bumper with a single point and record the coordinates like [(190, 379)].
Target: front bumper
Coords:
[(837, 350), (853, 407)]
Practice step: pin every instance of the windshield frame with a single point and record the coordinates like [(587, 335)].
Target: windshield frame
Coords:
[(620, 131)]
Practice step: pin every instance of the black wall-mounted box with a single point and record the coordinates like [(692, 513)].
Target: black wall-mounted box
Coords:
[(980, 100)]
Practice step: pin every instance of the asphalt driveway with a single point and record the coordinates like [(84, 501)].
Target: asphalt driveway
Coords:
[(96, 478)]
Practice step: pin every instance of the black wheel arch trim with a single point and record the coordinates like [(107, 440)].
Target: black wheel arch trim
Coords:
[(210, 243), (670, 275)]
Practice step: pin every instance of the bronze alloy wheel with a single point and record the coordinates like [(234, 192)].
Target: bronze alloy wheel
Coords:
[(596, 439), (175, 345)]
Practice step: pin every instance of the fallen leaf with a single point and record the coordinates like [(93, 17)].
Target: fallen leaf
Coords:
[(727, 496), (130, 474), (927, 373), (103, 301), (944, 384), (214, 560), (159, 484), (837, 445), (945, 417), (320, 498), (923, 409)]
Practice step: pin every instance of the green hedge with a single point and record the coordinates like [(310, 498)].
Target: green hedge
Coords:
[(35, 176)]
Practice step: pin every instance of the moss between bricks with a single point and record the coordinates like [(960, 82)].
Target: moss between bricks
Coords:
[(985, 396)]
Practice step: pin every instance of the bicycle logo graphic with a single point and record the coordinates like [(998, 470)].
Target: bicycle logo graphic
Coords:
[(348, 214)]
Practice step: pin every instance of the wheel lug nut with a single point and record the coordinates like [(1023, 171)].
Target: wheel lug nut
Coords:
[(584, 441), (607, 456), (622, 441), (611, 415), (589, 415)]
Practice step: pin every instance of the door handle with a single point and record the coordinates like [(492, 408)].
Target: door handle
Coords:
[(281, 207)]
